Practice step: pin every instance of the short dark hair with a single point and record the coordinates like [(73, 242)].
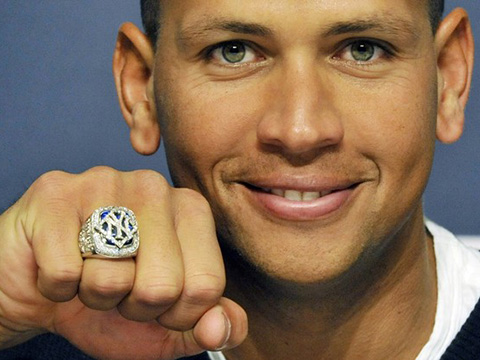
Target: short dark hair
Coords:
[(435, 12), (151, 19), (150, 10)]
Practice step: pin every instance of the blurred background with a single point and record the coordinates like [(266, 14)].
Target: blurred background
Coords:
[(59, 110)]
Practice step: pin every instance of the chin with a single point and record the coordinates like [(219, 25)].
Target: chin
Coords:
[(298, 273)]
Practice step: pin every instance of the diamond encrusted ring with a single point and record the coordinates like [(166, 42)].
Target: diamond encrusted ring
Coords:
[(110, 232)]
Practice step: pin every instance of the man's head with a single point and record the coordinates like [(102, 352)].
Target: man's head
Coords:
[(151, 9), (308, 126)]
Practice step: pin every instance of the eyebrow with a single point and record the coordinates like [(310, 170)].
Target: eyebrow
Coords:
[(388, 24), (385, 24), (201, 28)]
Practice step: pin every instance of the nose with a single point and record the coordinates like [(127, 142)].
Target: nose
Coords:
[(301, 116)]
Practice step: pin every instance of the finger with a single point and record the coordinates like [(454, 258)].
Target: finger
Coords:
[(105, 282), (224, 326), (54, 233), (204, 270), (159, 265)]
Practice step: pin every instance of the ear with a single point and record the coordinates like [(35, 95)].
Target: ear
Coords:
[(132, 69), (455, 48)]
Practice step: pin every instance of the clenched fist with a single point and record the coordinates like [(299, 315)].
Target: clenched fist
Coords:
[(163, 304)]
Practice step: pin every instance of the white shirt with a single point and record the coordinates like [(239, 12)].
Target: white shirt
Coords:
[(458, 282)]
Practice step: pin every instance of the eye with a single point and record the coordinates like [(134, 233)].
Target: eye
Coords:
[(233, 52), (363, 51)]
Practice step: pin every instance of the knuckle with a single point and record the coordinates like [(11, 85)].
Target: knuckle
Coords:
[(203, 289), (193, 203), (151, 182), (51, 177), (103, 175), (61, 273), (108, 278), (101, 182), (51, 183), (107, 286), (102, 172), (164, 293)]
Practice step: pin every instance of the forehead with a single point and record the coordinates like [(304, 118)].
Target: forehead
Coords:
[(286, 11), (187, 21)]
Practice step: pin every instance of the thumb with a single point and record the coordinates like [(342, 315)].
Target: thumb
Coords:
[(224, 326)]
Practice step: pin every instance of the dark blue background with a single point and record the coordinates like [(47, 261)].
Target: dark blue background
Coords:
[(58, 106)]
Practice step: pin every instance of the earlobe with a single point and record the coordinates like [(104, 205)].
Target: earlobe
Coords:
[(454, 44), (132, 70)]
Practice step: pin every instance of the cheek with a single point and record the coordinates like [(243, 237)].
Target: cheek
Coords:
[(395, 123), (397, 132), (204, 125)]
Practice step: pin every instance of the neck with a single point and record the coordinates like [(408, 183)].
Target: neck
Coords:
[(385, 311)]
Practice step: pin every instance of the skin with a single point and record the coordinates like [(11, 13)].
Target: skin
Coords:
[(164, 304), (310, 119), (299, 115)]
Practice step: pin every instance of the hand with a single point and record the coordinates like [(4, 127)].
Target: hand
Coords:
[(164, 304)]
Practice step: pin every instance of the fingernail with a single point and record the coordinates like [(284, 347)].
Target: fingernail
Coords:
[(228, 332)]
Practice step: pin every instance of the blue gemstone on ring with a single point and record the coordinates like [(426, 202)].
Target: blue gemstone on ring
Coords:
[(116, 229)]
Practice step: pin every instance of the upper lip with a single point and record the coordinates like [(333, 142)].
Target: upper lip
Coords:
[(301, 183)]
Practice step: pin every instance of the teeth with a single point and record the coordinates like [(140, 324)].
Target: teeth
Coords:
[(278, 192), (299, 195), (310, 195), (293, 195)]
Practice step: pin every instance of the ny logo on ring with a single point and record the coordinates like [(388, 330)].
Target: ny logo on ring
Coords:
[(117, 228)]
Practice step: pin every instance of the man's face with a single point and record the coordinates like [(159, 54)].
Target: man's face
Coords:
[(308, 125)]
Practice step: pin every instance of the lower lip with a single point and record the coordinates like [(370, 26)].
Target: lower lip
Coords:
[(322, 207)]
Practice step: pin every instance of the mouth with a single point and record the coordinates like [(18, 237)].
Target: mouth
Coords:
[(297, 195), (301, 204)]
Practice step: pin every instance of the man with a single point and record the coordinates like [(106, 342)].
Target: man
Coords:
[(300, 137)]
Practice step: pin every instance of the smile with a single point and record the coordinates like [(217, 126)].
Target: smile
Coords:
[(300, 204), (295, 195)]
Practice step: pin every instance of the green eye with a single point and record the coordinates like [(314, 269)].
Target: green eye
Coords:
[(234, 52), (362, 51)]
